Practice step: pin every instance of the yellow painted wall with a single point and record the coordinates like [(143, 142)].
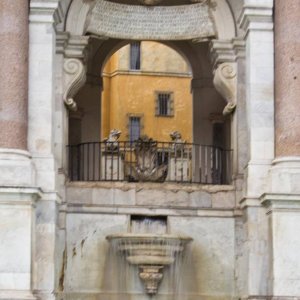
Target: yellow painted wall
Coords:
[(133, 92)]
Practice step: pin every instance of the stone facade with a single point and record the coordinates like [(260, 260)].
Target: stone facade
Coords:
[(53, 232)]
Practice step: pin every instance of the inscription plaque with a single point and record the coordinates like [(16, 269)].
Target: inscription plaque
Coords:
[(123, 21)]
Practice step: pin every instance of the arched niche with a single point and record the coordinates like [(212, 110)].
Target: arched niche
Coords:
[(207, 102)]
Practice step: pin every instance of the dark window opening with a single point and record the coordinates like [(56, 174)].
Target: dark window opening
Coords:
[(135, 56)]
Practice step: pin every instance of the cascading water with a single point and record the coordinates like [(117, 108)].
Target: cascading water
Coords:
[(149, 260)]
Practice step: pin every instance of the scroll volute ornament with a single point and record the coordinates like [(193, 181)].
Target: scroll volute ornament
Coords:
[(74, 79), (225, 82)]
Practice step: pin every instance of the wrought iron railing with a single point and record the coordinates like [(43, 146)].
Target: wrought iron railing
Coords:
[(154, 161)]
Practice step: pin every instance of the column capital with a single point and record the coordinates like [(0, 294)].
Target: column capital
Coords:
[(72, 46), (49, 11), (223, 51), (256, 17)]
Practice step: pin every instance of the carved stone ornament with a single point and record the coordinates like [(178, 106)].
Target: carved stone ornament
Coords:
[(112, 143), (147, 168), (74, 79), (151, 277), (225, 82), (178, 143)]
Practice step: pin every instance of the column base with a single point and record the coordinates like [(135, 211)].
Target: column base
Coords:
[(16, 168), (285, 175)]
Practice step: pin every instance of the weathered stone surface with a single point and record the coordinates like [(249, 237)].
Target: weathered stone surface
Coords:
[(212, 254), (200, 199), (151, 23), (87, 249), (79, 195), (153, 198), (223, 200)]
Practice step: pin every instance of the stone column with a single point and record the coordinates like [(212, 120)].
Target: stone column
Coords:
[(13, 73), (287, 77), (15, 164)]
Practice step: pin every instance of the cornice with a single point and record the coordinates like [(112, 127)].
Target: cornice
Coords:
[(256, 18), (49, 11), (226, 51)]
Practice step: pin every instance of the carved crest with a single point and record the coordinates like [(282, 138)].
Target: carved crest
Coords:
[(147, 167)]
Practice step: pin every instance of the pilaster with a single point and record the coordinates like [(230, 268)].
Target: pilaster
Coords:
[(44, 17), (256, 21)]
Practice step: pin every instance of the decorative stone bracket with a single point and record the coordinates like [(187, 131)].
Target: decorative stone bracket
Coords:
[(75, 51), (74, 79), (225, 82)]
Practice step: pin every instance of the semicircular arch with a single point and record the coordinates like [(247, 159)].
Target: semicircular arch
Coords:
[(80, 15)]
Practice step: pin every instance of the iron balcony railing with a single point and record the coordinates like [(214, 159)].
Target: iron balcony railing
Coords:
[(154, 162)]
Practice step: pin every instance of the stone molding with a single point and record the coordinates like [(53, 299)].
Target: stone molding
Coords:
[(16, 168), (19, 195), (46, 11), (285, 175), (15, 154), (257, 18), (226, 51), (249, 202), (281, 202), (16, 295), (72, 46)]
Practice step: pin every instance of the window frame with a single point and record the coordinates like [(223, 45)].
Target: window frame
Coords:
[(170, 108)]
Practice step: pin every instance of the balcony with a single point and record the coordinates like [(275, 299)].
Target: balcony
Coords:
[(149, 161)]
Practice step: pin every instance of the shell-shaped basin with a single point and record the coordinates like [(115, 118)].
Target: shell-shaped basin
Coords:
[(148, 248)]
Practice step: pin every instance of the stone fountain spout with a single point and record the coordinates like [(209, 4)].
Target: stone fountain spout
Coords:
[(151, 253)]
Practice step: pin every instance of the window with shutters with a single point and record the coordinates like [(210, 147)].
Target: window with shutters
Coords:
[(135, 56), (164, 104)]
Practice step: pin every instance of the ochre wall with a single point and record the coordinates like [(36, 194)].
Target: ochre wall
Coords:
[(133, 92)]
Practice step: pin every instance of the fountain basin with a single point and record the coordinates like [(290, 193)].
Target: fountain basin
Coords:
[(150, 252), (149, 249)]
